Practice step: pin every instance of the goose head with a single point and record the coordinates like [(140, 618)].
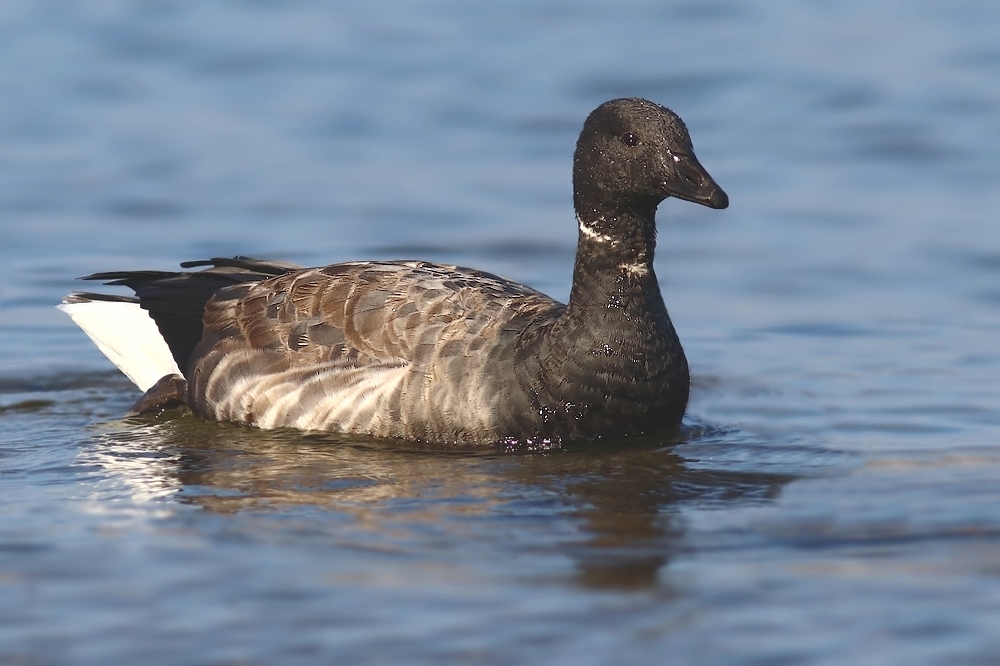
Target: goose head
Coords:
[(632, 154)]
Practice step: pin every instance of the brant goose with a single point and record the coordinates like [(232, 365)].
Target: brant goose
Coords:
[(430, 352)]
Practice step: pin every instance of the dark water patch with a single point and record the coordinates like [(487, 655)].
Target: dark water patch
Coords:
[(815, 281), (900, 142), (132, 41), (823, 330), (105, 90), (886, 538), (716, 447), (158, 168), (977, 57), (344, 124), (990, 296), (71, 397), (979, 359), (825, 217), (23, 548), (466, 115), (965, 105), (556, 128), (38, 300), (517, 249), (412, 252), (736, 385), (988, 261), (71, 380), (26, 406), (851, 97), (412, 217), (896, 427), (247, 64), (711, 13), (955, 410), (24, 204)]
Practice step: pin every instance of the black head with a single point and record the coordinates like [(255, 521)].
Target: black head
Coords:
[(633, 153)]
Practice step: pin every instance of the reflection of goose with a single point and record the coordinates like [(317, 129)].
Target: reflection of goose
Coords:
[(431, 352), (618, 518)]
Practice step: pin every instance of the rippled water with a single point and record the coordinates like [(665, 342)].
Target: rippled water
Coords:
[(833, 497)]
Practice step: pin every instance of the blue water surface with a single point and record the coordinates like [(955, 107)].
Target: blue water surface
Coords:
[(833, 498)]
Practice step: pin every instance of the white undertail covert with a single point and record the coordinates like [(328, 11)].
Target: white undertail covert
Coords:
[(128, 336)]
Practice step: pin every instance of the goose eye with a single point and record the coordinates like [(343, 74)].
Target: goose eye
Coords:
[(630, 139)]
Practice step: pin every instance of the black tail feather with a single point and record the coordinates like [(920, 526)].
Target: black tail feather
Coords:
[(264, 267), (90, 297), (176, 299)]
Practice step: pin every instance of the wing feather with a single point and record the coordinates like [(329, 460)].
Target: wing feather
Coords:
[(380, 348)]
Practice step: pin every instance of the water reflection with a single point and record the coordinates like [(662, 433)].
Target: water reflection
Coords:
[(615, 512), (628, 502)]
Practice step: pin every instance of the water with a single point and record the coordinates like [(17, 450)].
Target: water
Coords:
[(833, 498)]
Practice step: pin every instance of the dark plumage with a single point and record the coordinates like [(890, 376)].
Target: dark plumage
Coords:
[(447, 354)]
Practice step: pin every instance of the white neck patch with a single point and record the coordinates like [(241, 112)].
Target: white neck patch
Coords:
[(635, 269), (592, 233)]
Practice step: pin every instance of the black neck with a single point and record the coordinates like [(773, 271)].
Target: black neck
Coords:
[(616, 323), (613, 352), (614, 261)]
